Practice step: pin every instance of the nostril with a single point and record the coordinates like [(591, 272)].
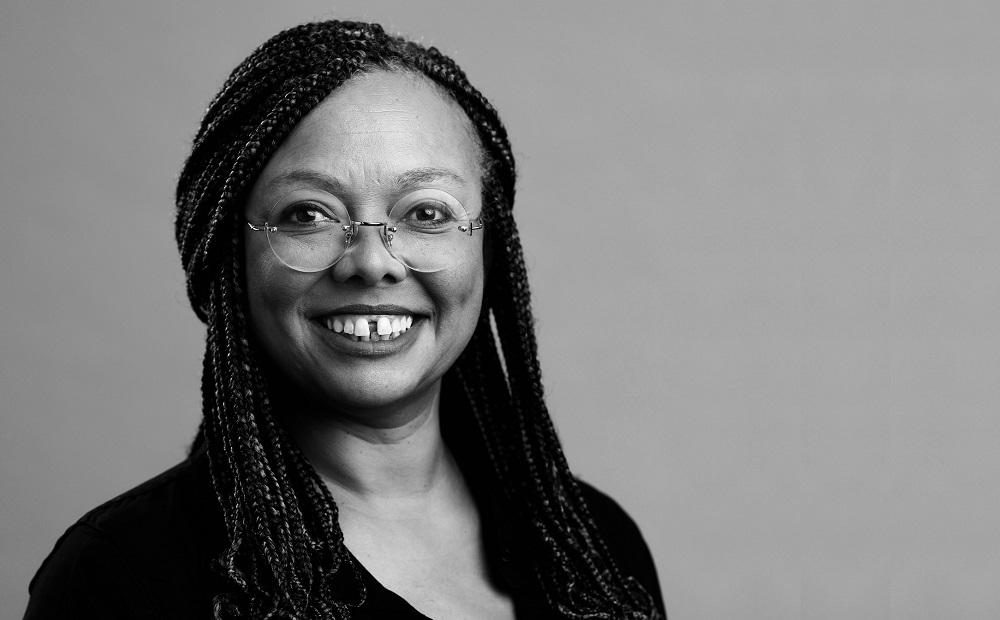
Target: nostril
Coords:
[(369, 260)]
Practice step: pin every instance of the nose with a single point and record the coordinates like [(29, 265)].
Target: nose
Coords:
[(367, 258)]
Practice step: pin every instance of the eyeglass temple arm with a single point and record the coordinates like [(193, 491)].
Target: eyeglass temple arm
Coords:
[(476, 225), (346, 227)]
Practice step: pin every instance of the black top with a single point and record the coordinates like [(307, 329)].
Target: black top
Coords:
[(148, 554)]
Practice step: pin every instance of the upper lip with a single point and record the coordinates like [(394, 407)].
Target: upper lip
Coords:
[(367, 310)]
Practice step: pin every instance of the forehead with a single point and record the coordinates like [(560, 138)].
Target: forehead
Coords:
[(374, 133)]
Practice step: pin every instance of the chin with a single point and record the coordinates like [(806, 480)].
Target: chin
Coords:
[(370, 394)]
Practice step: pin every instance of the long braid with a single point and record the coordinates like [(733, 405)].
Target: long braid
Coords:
[(543, 457), (279, 559), (285, 555)]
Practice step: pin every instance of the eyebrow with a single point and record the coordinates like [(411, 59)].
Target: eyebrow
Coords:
[(305, 177), (420, 176), (320, 180)]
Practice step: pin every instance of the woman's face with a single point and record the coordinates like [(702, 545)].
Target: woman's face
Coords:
[(376, 138)]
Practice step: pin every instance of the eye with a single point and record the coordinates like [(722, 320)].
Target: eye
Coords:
[(429, 213), (428, 210), (305, 214)]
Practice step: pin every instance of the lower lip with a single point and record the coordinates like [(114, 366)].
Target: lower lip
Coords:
[(369, 348)]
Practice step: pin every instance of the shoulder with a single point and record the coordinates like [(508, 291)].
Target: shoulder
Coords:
[(174, 504), (131, 555), (623, 539)]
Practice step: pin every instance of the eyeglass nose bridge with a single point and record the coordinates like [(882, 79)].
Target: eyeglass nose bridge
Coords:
[(351, 232)]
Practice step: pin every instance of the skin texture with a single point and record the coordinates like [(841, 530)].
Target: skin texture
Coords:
[(364, 137), (366, 414)]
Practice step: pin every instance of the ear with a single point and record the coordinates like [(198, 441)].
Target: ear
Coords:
[(487, 250), (487, 268)]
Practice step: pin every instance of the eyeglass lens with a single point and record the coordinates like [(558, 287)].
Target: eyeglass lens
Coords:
[(426, 230)]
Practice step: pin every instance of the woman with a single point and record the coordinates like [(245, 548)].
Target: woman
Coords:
[(344, 221)]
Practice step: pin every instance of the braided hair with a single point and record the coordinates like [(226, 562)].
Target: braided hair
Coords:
[(285, 555)]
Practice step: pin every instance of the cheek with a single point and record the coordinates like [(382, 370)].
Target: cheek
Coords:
[(258, 278), (462, 296), (271, 293)]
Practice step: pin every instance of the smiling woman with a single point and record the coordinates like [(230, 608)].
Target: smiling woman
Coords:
[(370, 145), (345, 225)]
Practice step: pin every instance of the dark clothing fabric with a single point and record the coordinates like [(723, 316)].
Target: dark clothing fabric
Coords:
[(149, 552)]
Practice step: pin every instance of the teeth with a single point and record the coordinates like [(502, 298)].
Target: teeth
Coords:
[(369, 327), (361, 330)]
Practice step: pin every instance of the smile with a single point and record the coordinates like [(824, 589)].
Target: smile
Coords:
[(360, 327)]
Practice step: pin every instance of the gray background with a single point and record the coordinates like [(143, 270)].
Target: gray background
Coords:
[(763, 240)]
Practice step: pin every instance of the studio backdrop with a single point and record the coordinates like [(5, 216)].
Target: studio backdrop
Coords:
[(762, 239)]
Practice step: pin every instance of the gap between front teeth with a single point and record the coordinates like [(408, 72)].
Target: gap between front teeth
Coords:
[(378, 327)]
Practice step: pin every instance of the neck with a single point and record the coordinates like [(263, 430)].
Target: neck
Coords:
[(377, 457)]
